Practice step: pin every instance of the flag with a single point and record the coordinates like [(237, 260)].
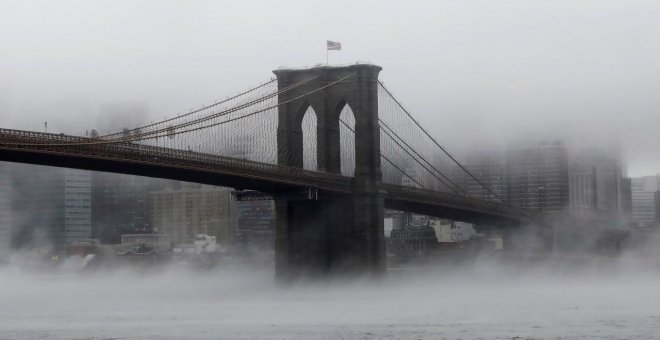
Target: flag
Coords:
[(334, 46)]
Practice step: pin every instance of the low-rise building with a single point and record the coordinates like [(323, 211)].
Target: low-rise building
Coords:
[(158, 242)]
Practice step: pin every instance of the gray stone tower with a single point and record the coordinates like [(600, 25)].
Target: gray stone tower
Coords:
[(336, 233)]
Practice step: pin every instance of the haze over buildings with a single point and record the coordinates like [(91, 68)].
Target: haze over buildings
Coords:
[(645, 202), (552, 106)]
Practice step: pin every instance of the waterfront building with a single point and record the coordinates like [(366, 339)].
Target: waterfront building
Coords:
[(158, 242), (142, 256), (443, 229), (205, 244), (462, 231), (450, 231), (416, 239)]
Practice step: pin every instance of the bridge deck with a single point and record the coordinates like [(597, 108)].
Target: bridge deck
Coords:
[(132, 158), (43, 148)]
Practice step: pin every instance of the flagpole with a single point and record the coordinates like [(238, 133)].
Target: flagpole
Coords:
[(326, 56)]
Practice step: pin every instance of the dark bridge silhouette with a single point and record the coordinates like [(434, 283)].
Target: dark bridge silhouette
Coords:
[(327, 221)]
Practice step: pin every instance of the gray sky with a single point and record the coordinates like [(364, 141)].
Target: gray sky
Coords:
[(474, 72)]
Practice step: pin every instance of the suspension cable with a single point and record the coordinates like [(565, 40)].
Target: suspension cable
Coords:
[(440, 146), (224, 112), (194, 111), (422, 157), (386, 158), (101, 142), (417, 161)]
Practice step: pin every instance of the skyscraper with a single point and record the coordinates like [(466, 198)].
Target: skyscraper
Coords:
[(490, 168), (77, 206), (643, 199), (256, 223), (120, 205), (595, 182), (538, 177), (50, 206), (531, 177)]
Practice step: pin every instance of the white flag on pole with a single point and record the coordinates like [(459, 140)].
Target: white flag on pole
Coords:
[(334, 46)]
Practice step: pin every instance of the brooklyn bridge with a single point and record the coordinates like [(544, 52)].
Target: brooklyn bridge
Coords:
[(331, 145)]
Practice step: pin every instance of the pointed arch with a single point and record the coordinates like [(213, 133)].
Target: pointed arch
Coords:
[(346, 118), (308, 126)]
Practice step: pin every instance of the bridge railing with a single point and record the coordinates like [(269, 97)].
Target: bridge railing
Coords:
[(450, 199), (127, 151), (41, 142)]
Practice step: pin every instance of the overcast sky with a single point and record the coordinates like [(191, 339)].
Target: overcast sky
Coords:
[(474, 72)]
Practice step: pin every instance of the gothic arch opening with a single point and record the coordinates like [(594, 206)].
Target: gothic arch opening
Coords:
[(309, 140), (346, 139)]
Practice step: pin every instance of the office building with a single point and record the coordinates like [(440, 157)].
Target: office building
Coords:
[(120, 205), (77, 206), (255, 225), (596, 182), (37, 202), (643, 199), (193, 209), (538, 177), (51, 207), (489, 167)]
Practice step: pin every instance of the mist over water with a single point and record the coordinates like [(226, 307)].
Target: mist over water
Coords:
[(613, 298), (479, 75)]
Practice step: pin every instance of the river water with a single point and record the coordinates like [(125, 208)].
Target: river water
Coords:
[(483, 300)]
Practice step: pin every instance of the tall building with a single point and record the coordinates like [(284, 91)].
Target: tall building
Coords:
[(596, 182), (490, 168), (193, 209), (121, 205), (531, 177), (643, 199), (626, 198), (5, 212), (50, 206), (255, 223), (538, 177), (77, 206), (37, 206)]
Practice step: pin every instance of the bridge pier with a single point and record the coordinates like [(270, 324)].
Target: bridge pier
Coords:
[(328, 235), (332, 233)]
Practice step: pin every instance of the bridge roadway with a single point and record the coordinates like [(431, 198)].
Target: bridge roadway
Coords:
[(136, 159)]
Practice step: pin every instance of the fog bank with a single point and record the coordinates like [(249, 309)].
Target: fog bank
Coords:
[(484, 299)]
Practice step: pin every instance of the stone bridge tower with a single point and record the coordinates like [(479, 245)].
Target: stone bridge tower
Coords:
[(332, 233)]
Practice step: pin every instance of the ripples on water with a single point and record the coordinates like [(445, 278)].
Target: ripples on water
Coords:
[(485, 300)]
